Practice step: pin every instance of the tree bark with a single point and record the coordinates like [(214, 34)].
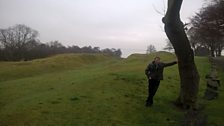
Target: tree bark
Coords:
[(212, 49), (219, 50), (189, 77)]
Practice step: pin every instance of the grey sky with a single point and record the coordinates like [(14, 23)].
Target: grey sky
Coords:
[(130, 25)]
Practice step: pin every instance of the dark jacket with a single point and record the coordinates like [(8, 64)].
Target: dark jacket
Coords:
[(155, 71)]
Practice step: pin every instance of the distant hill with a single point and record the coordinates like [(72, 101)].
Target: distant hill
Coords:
[(162, 54)]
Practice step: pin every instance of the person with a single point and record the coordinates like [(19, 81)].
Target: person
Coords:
[(154, 73)]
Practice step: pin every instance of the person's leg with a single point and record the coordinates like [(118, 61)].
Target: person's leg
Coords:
[(155, 87), (150, 92), (152, 88)]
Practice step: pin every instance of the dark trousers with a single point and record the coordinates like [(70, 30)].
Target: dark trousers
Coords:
[(152, 88)]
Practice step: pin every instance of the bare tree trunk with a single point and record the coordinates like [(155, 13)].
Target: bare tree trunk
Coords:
[(212, 48), (189, 76), (212, 53), (219, 50)]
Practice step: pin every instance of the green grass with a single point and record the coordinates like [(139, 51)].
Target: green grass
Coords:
[(215, 108), (58, 63), (93, 90)]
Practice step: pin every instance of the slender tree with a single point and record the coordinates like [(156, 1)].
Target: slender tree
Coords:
[(150, 49), (189, 77)]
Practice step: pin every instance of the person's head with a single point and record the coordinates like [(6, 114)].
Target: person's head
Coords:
[(157, 59)]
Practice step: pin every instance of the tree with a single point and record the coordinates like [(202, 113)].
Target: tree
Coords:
[(20, 42), (96, 49), (112, 52), (55, 44), (208, 27), (14, 40), (168, 46), (194, 38), (197, 43), (118, 53), (150, 49), (189, 77), (201, 51)]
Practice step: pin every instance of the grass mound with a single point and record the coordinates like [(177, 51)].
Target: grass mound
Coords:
[(15, 70)]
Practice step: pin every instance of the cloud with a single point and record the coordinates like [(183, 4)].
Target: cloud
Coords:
[(127, 24)]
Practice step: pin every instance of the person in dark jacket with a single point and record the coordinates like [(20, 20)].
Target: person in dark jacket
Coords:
[(154, 73)]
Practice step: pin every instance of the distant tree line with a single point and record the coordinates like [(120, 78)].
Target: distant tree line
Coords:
[(20, 42), (207, 32)]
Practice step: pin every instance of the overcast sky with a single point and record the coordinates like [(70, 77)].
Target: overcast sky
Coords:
[(130, 25)]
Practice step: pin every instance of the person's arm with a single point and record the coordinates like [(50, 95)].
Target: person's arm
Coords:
[(170, 64), (147, 70)]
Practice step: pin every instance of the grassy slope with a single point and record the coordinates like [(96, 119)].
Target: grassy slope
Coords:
[(16, 70), (92, 90)]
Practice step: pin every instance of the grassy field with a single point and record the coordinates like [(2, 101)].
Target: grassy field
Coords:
[(95, 90)]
